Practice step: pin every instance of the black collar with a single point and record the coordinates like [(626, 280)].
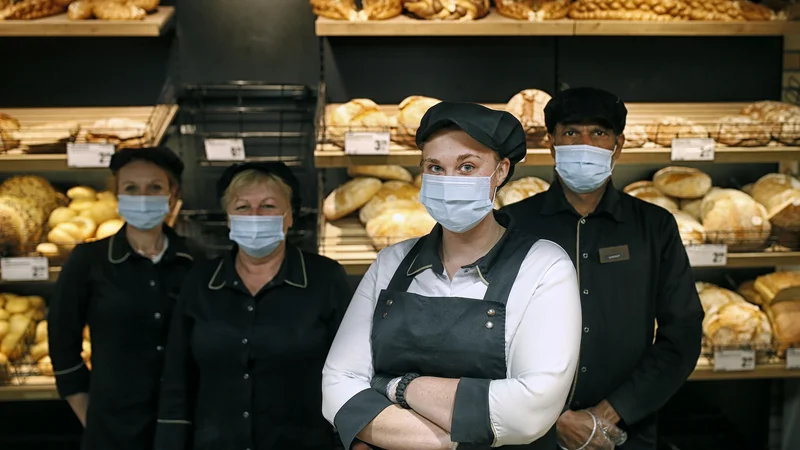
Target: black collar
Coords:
[(119, 249), (429, 256), (292, 270), (556, 202)]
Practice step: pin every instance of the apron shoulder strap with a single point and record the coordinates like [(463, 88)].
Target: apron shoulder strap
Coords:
[(507, 269), (401, 280)]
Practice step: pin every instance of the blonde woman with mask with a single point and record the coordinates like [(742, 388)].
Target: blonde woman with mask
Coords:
[(468, 336)]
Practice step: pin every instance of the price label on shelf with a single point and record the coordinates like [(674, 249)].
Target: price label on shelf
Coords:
[(694, 149), (366, 143), (224, 149), (24, 269), (85, 155), (734, 360), (707, 255), (793, 358)]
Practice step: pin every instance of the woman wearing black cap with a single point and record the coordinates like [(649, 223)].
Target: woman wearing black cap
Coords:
[(124, 288), (252, 330), (469, 335)]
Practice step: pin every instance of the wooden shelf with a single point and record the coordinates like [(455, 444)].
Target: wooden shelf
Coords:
[(705, 372), (328, 155), (51, 278), (158, 117), (34, 389), (496, 25), (60, 26)]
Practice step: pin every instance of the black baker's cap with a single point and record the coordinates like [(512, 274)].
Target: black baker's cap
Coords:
[(277, 169), (161, 156), (585, 104), (497, 130)]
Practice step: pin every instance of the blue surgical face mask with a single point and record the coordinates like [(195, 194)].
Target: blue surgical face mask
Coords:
[(457, 203), (584, 168), (144, 212), (258, 236)]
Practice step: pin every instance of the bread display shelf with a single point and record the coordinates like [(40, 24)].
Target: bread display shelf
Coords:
[(52, 276), (347, 242), (496, 25), (705, 372), (153, 25), (329, 155), (158, 119), (33, 389)]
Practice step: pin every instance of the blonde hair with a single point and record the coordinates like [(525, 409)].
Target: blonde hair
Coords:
[(249, 178)]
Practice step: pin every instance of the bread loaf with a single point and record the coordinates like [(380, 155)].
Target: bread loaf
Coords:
[(383, 172), (8, 125), (734, 218), (741, 131), (693, 207), (389, 193), (748, 291), (646, 191), (691, 231), (785, 318), (347, 10), (118, 11), (528, 107), (120, 131), (410, 113), (780, 195), (533, 10), (664, 130), (644, 10), (357, 115), (520, 189), (769, 286), (682, 182), (33, 188), (31, 9), (770, 111), (635, 136), (349, 197), (21, 222), (448, 9), (730, 320), (397, 224)]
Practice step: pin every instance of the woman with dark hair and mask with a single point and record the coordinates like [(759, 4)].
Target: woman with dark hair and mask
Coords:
[(252, 329), (469, 335), (124, 288)]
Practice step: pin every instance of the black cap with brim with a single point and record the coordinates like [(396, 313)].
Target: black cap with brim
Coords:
[(160, 156), (277, 169), (585, 105), (497, 130)]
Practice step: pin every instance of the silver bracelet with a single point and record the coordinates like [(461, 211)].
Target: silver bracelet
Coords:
[(594, 431)]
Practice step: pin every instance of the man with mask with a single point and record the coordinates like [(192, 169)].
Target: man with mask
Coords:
[(633, 272)]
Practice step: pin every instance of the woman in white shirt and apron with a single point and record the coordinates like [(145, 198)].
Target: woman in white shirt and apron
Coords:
[(467, 337)]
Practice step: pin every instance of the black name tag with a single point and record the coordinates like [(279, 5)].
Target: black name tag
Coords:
[(614, 254)]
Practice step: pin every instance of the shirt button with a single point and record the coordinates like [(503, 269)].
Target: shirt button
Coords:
[(245, 414), (585, 255), (489, 325), (586, 329), (152, 283), (585, 292), (491, 312), (250, 308), (583, 221), (235, 283), (244, 341), (247, 376), (160, 348), (157, 315), (389, 302), (583, 369)]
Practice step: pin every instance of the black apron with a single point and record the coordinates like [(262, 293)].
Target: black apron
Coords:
[(450, 337)]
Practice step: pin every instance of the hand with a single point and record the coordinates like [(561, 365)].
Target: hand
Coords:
[(575, 428), (608, 419)]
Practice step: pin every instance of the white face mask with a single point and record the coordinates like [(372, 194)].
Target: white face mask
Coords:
[(258, 236), (457, 203), (584, 168)]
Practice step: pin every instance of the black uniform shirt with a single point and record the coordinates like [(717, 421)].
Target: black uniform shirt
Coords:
[(245, 372), (632, 269), (127, 301)]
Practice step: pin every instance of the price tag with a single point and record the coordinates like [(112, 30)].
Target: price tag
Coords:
[(734, 360), (366, 143), (89, 155), (793, 358), (707, 255), (24, 269), (695, 149), (224, 149), (188, 128)]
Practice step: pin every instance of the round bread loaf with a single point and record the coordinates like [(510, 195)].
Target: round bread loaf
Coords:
[(410, 112), (646, 191), (770, 285), (682, 182), (692, 207), (349, 197), (357, 115), (748, 291), (520, 189), (387, 172), (664, 130), (389, 193), (734, 218), (528, 107), (399, 223), (780, 195), (33, 188), (691, 231)]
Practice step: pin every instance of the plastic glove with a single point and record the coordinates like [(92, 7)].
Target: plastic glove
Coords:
[(613, 432), (574, 429)]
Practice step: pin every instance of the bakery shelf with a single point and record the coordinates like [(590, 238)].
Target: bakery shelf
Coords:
[(496, 25), (153, 25), (705, 372), (158, 118), (330, 155), (33, 389), (763, 259), (54, 271)]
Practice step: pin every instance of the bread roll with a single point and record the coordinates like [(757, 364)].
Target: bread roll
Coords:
[(108, 228), (3, 328), (410, 113), (692, 207), (86, 227), (664, 130), (106, 196), (748, 291), (397, 224), (691, 231), (771, 285), (533, 10), (349, 197), (101, 211), (41, 331), (520, 189), (448, 9), (383, 172), (647, 192), (39, 351), (741, 131), (734, 218), (45, 366), (16, 304), (82, 193), (780, 194), (390, 192), (418, 180), (60, 215), (357, 115), (682, 182)]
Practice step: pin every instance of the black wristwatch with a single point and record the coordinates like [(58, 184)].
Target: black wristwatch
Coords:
[(400, 391)]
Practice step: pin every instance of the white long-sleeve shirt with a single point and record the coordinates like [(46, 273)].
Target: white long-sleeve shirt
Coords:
[(542, 334)]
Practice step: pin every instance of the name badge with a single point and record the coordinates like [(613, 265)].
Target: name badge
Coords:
[(614, 254)]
